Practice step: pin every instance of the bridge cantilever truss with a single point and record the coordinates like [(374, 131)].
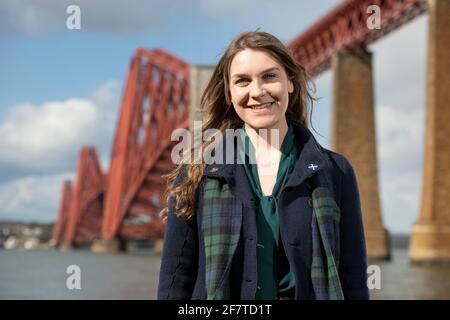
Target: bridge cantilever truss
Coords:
[(84, 214), (156, 100), (346, 27)]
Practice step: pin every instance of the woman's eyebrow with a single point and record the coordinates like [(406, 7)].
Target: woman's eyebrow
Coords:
[(244, 75)]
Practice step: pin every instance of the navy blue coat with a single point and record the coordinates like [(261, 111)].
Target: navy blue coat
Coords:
[(182, 273)]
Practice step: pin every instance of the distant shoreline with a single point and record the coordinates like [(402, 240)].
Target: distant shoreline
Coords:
[(397, 240)]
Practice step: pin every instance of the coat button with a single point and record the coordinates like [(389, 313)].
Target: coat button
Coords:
[(310, 202)]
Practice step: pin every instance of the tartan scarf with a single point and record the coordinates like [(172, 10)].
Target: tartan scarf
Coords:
[(325, 236), (221, 227)]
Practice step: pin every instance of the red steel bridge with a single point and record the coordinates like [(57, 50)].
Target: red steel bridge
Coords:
[(124, 202)]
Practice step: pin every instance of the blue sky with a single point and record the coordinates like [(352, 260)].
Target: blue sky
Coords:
[(61, 89), (48, 61)]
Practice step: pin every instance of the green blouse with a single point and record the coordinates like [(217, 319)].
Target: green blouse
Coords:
[(274, 274)]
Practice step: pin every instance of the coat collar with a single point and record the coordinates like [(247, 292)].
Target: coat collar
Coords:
[(310, 161)]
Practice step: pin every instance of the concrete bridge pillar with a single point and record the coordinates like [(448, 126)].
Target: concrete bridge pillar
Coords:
[(200, 76), (108, 246), (353, 135), (430, 240)]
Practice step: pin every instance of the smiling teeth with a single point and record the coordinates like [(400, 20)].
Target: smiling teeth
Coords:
[(263, 106)]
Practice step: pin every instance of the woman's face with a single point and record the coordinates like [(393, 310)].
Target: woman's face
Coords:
[(259, 88)]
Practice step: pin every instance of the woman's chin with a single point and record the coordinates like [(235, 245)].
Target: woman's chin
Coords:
[(262, 123)]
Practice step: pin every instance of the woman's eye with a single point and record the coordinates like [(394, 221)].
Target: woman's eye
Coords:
[(241, 81), (270, 75), (266, 76)]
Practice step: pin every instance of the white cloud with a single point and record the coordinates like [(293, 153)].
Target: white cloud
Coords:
[(400, 78), (40, 130), (33, 198), (40, 146), (46, 138), (401, 200), (400, 137), (400, 64), (400, 150)]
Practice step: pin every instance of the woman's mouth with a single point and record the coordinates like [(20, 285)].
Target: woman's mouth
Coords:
[(262, 108)]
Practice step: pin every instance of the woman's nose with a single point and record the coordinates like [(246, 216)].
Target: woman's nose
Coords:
[(257, 90)]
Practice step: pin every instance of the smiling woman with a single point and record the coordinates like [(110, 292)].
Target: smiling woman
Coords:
[(260, 88), (260, 96), (286, 227)]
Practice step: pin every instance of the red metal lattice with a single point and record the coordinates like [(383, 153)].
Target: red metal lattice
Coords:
[(86, 206), (346, 27), (155, 102), (63, 213)]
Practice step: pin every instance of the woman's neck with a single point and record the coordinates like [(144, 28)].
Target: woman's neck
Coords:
[(270, 138)]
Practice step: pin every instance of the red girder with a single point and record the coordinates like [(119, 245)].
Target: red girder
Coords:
[(63, 213), (155, 102), (86, 206), (345, 27)]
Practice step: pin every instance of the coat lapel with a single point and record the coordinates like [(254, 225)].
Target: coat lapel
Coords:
[(310, 160)]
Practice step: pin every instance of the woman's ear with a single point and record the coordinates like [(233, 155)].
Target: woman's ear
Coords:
[(290, 86)]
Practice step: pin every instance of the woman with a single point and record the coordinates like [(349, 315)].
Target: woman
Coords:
[(286, 227)]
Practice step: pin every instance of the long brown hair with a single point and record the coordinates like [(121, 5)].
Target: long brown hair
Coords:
[(219, 112)]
